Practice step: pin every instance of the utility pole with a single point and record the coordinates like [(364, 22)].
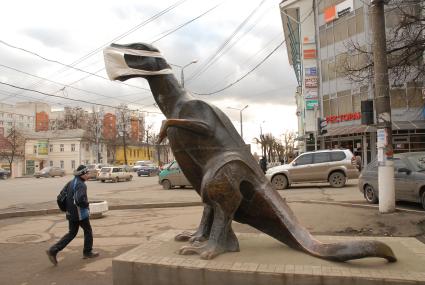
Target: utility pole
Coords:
[(383, 110)]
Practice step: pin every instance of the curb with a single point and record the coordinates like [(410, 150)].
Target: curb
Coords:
[(42, 212), (186, 204)]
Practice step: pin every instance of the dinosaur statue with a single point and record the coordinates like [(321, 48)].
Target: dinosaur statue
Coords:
[(221, 168)]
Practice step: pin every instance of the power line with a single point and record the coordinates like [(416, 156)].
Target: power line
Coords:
[(202, 68), (186, 23), (67, 65), (55, 82), (70, 99), (246, 74)]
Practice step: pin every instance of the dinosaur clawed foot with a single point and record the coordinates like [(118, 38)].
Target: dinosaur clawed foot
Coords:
[(205, 251), (191, 237)]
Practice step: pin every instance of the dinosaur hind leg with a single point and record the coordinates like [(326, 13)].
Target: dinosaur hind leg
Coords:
[(220, 191), (204, 228)]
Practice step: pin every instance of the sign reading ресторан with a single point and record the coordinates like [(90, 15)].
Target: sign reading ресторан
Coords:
[(344, 117)]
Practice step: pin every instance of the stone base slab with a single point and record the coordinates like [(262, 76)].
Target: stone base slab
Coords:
[(263, 260)]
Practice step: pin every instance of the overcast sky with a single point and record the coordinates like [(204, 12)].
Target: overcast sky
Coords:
[(67, 31)]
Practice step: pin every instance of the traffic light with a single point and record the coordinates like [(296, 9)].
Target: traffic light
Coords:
[(321, 126)]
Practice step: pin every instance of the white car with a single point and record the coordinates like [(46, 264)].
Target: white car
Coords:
[(114, 174)]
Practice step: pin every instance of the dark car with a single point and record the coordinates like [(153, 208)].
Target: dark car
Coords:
[(4, 174), (409, 178), (148, 170)]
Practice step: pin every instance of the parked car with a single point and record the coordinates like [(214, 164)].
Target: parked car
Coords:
[(173, 176), (334, 166), (148, 170), (94, 170), (50, 171), (140, 163), (114, 174), (4, 173), (409, 178)]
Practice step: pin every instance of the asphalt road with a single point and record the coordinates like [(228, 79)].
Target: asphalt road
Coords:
[(35, 194)]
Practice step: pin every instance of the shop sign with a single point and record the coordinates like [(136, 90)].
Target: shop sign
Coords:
[(343, 118), (334, 12), (308, 40), (310, 104), (310, 82), (311, 71), (42, 148), (310, 93), (309, 53)]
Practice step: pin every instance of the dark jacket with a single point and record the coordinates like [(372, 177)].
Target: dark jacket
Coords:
[(77, 203)]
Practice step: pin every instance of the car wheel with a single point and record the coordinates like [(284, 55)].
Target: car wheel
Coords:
[(337, 179), (103, 181), (423, 199), (166, 184), (280, 182), (116, 180), (370, 194), (131, 177)]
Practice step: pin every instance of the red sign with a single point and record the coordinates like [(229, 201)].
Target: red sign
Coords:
[(344, 117), (309, 54)]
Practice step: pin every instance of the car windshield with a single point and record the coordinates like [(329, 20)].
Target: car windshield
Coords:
[(105, 169), (417, 160)]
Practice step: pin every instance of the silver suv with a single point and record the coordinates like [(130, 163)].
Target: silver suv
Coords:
[(334, 166)]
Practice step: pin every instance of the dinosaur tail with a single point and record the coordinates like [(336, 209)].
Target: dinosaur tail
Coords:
[(272, 215)]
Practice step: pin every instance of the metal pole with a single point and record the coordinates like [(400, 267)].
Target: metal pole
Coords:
[(383, 110), (240, 116)]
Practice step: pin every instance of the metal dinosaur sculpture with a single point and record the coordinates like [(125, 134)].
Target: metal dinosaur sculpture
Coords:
[(221, 168)]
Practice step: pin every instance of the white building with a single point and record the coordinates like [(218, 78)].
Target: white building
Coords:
[(63, 148)]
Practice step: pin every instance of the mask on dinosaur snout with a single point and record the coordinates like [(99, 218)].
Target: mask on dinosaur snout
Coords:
[(117, 67)]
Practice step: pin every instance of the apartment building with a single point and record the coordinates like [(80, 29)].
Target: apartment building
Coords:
[(63, 148), (336, 24)]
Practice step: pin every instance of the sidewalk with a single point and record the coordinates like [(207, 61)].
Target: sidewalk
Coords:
[(23, 240)]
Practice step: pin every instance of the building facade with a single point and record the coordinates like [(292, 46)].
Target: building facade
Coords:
[(336, 24), (63, 148)]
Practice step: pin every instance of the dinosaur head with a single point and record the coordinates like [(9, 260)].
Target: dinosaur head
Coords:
[(123, 62)]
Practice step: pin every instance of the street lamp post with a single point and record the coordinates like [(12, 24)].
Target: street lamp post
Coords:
[(240, 117), (182, 70)]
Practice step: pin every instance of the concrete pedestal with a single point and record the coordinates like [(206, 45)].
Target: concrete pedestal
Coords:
[(263, 260)]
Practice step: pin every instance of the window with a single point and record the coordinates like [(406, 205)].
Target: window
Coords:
[(337, 155), (62, 164), (73, 164), (35, 149), (73, 148), (51, 163), (304, 159), (321, 157), (62, 148), (87, 147), (51, 148)]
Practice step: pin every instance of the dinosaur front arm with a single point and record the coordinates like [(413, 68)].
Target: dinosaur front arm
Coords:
[(190, 125)]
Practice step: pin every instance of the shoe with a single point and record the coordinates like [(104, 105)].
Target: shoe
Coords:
[(52, 257), (91, 254)]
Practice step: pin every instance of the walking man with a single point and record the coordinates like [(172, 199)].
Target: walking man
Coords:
[(78, 215)]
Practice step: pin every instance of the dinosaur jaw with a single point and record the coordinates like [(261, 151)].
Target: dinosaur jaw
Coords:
[(118, 60)]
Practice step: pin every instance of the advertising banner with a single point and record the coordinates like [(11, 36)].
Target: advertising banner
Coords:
[(310, 71), (308, 40), (310, 93), (309, 104), (309, 53), (334, 12), (42, 148), (310, 82)]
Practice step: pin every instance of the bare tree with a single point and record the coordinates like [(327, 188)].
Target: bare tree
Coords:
[(405, 46), (288, 143), (123, 117), (12, 146), (94, 130)]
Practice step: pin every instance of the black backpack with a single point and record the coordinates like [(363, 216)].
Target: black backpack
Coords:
[(61, 199)]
